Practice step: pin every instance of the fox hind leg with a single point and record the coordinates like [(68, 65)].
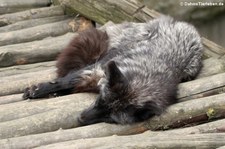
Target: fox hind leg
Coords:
[(192, 69)]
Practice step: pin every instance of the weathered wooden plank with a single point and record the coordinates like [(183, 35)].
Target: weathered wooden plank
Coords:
[(38, 32), (21, 69), (145, 140), (33, 52), (212, 66), (17, 83), (31, 14), (101, 130), (201, 85), (31, 23), (9, 6), (10, 99)]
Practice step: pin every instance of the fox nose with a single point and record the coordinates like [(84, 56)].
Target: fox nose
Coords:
[(85, 119)]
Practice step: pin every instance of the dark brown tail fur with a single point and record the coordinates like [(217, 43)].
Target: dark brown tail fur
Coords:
[(83, 50)]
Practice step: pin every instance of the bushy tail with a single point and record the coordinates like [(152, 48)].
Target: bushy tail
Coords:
[(84, 49)]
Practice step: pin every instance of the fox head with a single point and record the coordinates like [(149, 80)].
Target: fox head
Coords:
[(116, 102)]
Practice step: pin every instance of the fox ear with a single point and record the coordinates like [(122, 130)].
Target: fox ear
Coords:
[(114, 75)]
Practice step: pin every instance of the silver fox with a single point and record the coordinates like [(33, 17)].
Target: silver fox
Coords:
[(135, 68)]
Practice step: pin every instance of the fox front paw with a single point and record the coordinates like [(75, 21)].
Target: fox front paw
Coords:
[(35, 91)]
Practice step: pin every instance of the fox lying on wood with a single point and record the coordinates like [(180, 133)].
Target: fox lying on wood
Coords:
[(135, 68)]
